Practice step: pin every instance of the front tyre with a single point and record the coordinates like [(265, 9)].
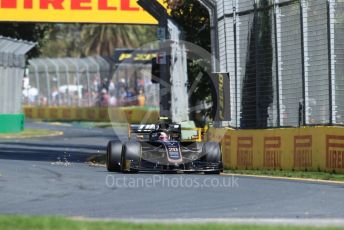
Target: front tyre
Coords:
[(213, 154), (132, 153), (114, 156)]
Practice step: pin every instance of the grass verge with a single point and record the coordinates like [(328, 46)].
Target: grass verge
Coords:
[(291, 174), (30, 133), (55, 223)]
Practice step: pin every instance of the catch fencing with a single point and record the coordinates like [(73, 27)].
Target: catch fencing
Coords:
[(285, 59), (88, 82)]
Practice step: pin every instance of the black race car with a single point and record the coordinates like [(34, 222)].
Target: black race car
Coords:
[(158, 147)]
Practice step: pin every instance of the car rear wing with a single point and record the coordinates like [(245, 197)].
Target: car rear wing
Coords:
[(142, 128), (140, 131)]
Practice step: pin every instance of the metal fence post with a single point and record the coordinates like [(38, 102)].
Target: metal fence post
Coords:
[(77, 69), (61, 61), (88, 80), (302, 119), (224, 29), (68, 80), (47, 77), (211, 6), (276, 8), (57, 69), (257, 86), (235, 104), (332, 102), (78, 83), (34, 64)]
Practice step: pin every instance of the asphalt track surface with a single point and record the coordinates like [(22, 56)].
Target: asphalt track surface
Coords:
[(49, 176)]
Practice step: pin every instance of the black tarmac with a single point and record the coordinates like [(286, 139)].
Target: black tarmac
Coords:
[(49, 176)]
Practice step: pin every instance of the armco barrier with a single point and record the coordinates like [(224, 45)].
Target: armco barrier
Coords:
[(131, 115), (307, 148)]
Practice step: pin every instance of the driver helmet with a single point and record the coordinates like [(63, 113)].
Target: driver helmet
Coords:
[(163, 136), (163, 125)]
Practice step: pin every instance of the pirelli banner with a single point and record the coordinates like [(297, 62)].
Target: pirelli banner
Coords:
[(80, 11), (299, 149)]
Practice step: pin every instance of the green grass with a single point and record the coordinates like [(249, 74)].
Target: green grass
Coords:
[(29, 133), (54, 223), (292, 174)]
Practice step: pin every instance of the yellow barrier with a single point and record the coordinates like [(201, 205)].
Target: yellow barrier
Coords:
[(306, 148), (130, 115)]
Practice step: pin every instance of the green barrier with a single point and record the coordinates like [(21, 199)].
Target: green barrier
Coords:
[(11, 123)]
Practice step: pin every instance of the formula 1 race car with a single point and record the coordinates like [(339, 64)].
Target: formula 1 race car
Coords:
[(158, 147)]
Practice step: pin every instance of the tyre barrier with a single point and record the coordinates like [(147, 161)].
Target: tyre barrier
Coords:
[(301, 149)]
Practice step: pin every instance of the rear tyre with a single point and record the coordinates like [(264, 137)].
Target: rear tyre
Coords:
[(212, 153), (132, 152), (114, 156)]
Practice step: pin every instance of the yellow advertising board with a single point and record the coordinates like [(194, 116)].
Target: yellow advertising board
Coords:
[(81, 11), (300, 149)]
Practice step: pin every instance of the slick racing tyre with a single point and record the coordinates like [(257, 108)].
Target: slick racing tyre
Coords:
[(114, 156), (212, 152), (132, 152)]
